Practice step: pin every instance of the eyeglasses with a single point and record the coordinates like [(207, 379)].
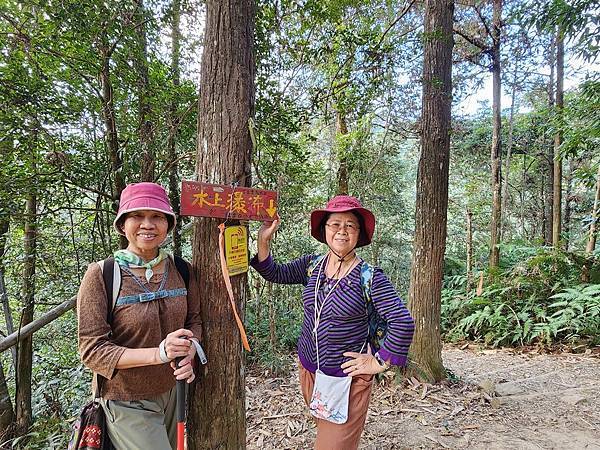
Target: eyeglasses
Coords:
[(350, 227)]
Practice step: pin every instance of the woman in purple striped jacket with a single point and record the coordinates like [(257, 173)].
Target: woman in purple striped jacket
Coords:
[(336, 364)]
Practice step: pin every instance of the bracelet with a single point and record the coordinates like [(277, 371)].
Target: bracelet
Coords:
[(381, 361), (162, 353)]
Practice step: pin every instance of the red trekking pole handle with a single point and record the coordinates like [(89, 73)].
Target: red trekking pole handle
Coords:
[(180, 410)]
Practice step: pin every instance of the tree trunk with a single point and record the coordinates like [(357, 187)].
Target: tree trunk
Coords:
[(591, 242), (549, 160), (7, 413), (226, 103), (272, 326), (496, 139), (174, 124), (568, 192), (593, 231), (505, 229), (343, 175), (110, 127), (8, 317), (25, 349), (140, 62), (469, 249), (523, 191), (557, 185), (432, 191)]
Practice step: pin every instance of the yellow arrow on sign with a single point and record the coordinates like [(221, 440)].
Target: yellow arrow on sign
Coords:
[(271, 210)]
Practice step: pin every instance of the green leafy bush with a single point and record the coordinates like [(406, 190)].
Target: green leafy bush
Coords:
[(536, 300)]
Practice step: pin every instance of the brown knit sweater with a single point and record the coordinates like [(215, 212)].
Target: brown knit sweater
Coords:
[(139, 325)]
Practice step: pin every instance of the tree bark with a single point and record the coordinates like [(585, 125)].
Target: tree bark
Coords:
[(7, 412), (432, 191), (557, 185), (174, 123), (496, 139), (226, 103), (110, 127), (143, 85), (591, 242), (504, 208), (8, 317), (568, 193), (469, 225), (592, 233), (343, 175), (272, 325), (25, 349), (549, 160)]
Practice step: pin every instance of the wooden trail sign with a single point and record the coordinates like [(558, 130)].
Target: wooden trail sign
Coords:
[(222, 201)]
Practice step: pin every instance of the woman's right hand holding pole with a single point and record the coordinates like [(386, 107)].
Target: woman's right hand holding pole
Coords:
[(265, 235)]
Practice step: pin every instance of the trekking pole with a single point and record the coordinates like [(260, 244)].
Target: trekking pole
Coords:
[(180, 410)]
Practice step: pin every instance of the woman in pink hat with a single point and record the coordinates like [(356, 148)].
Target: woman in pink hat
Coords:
[(131, 342), (343, 297)]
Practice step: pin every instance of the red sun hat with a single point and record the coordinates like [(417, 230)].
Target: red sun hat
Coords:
[(144, 196), (340, 204)]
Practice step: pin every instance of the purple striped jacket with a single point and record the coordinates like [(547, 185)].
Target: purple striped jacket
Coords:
[(343, 325)]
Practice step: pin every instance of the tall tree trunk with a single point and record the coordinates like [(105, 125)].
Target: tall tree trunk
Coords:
[(593, 231), (557, 186), (343, 175), (506, 227), (496, 139), (272, 325), (7, 413), (469, 249), (568, 192), (523, 191), (549, 160), (25, 349), (432, 191), (140, 61), (591, 242), (226, 103), (110, 127), (174, 123), (8, 317)]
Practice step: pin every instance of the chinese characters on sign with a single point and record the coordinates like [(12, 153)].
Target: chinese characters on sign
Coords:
[(214, 200)]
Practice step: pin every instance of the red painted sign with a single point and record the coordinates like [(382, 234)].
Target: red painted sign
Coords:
[(216, 200)]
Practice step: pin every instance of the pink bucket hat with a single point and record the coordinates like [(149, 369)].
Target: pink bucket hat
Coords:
[(339, 204), (140, 196)]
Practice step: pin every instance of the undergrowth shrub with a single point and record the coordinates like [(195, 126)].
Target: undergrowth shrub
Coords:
[(534, 300)]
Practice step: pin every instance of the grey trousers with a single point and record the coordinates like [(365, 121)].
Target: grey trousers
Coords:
[(149, 424)]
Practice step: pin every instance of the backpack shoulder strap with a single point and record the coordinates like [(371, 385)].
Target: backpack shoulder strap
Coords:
[(183, 269), (111, 274), (314, 262), (366, 279)]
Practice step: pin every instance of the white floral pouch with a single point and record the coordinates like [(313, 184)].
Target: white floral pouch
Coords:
[(330, 397)]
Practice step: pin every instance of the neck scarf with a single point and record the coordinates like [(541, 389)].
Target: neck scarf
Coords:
[(129, 259)]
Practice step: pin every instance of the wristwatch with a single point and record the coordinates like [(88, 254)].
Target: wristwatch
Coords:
[(381, 361)]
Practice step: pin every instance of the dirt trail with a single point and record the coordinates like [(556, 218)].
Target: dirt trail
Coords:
[(503, 400)]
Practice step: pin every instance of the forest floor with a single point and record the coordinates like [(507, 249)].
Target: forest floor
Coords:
[(502, 399)]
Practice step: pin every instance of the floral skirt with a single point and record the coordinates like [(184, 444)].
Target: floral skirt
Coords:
[(331, 436)]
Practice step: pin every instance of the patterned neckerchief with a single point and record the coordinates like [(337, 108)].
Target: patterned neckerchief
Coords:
[(127, 258)]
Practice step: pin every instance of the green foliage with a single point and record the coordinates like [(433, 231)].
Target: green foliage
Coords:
[(286, 320), (518, 305)]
